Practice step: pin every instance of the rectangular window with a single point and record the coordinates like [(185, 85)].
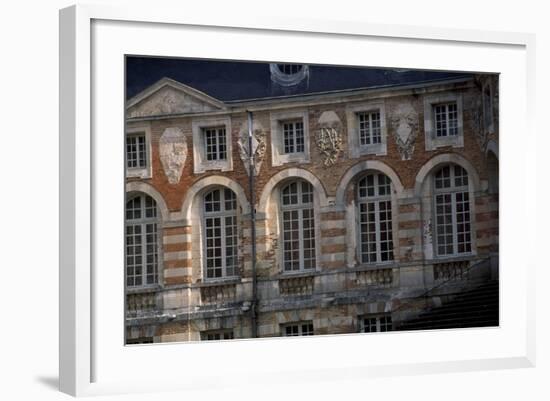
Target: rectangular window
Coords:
[(297, 329), (136, 151), (141, 253), (374, 324), (139, 340), (369, 128), (453, 210), (446, 119), (376, 237), (213, 335), (215, 143), (298, 237), (221, 245), (293, 136)]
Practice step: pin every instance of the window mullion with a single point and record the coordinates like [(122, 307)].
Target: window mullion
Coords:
[(358, 242), (377, 230), (219, 144), (301, 237), (223, 243), (371, 134), (143, 253), (447, 118), (294, 140), (455, 225)]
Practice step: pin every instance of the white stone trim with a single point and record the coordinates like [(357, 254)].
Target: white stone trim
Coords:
[(140, 172), (354, 144), (176, 239), (292, 172), (364, 166), (177, 272), (211, 181), (164, 82), (424, 189), (278, 157), (350, 223), (138, 186), (432, 142), (200, 164), (181, 255), (446, 158)]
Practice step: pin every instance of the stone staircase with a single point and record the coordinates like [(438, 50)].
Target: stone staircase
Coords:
[(478, 307)]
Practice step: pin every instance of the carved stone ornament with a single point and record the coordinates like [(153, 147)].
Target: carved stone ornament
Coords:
[(259, 146), (329, 137), (173, 153), (404, 121), (478, 126)]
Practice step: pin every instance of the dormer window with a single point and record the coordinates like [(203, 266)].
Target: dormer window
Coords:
[(290, 69), (288, 74)]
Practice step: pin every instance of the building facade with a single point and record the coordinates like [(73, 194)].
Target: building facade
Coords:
[(356, 204)]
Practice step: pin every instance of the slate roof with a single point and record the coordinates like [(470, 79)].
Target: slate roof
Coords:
[(236, 81)]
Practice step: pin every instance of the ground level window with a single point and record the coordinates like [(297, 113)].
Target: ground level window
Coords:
[(139, 340), (297, 329), (214, 335), (374, 324)]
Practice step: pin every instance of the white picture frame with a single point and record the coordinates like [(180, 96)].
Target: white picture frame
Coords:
[(90, 328)]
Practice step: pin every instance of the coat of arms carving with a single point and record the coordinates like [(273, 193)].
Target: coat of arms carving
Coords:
[(173, 153), (329, 137), (404, 121), (259, 146)]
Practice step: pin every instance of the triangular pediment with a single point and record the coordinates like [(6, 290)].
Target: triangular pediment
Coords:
[(167, 97)]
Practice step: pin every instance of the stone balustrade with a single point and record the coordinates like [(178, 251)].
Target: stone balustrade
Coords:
[(223, 292), (452, 270), (382, 278), (302, 285), (141, 302)]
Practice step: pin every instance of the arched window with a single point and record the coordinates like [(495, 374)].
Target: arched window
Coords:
[(452, 211), (142, 246), (220, 233), (375, 219), (298, 226)]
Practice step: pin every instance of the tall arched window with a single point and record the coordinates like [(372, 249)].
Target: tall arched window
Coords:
[(142, 253), (298, 226), (220, 233), (375, 219), (452, 211)]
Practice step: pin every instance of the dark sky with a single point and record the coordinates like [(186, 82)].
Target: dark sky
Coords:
[(232, 80)]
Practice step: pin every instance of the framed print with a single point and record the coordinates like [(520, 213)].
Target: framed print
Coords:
[(340, 182)]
